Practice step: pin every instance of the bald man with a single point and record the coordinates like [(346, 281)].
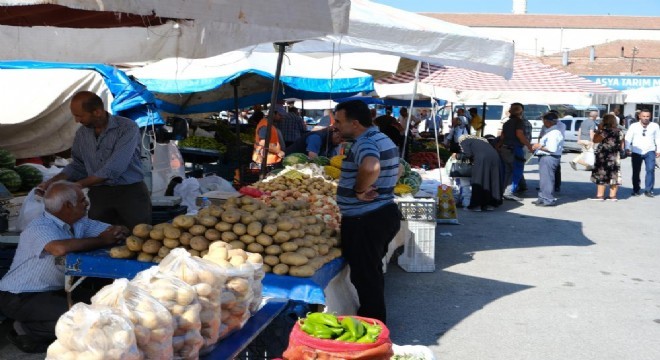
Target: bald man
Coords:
[(106, 159)]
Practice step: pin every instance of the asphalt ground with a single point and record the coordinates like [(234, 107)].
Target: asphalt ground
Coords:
[(577, 281)]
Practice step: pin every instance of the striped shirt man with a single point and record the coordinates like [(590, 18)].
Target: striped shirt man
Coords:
[(370, 143), (113, 155), (33, 268)]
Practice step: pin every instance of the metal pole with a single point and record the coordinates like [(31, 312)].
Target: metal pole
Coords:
[(412, 102), (271, 111), (483, 118), (235, 84)]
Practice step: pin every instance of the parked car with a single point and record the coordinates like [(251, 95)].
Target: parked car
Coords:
[(571, 134)]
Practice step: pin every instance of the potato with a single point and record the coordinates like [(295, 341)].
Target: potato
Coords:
[(248, 218), (311, 220), (238, 285), (228, 236), (142, 230), (289, 246), (231, 216), (281, 237), (184, 239), (293, 258), (163, 251), (203, 212), (267, 268), (271, 260), (245, 200), (171, 243), (157, 234), (301, 271), (272, 216), (296, 233), (254, 258), (220, 249), (171, 232), (121, 252), (134, 243), (255, 248), (183, 221), (144, 257), (260, 215), (215, 211), (223, 226), (203, 253), (323, 249), (199, 243), (197, 230), (269, 229), (281, 269), (254, 228), (307, 252), (160, 226), (151, 246), (208, 220), (237, 244), (284, 225), (193, 252), (239, 229), (264, 239), (212, 234), (273, 250), (157, 259), (236, 261)]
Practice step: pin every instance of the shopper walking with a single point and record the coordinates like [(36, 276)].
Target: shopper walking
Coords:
[(642, 140)]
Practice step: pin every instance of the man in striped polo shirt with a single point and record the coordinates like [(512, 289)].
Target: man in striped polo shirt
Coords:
[(106, 159), (32, 291), (370, 218)]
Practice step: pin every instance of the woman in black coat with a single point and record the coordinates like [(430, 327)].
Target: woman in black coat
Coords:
[(485, 181)]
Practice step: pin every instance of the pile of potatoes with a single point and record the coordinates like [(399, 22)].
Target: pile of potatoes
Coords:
[(152, 322), (182, 302), (238, 293), (208, 281), (290, 238), (306, 184), (93, 333)]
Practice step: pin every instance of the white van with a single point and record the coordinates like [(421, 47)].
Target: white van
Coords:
[(497, 114), (571, 134)]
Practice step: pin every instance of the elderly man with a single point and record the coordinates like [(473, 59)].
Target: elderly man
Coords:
[(106, 159), (32, 292), (370, 218), (549, 150)]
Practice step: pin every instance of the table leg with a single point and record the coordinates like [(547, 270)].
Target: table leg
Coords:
[(70, 285)]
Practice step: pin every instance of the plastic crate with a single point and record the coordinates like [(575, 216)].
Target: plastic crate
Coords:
[(418, 210), (419, 249)]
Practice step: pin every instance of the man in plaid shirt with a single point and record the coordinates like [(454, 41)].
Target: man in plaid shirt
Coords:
[(292, 127)]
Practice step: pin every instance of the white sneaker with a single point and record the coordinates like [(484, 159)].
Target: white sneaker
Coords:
[(573, 165), (511, 197)]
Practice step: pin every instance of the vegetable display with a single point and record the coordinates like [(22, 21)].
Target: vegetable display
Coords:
[(200, 142), (348, 329)]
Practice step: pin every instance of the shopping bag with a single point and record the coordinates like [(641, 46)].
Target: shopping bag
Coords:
[(33, 207), (167, 163), (446, 211), (188, 190), (460, 169), (590, 157)]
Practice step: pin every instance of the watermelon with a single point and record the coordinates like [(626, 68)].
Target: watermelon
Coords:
[(321, 161), (415, 175), (295, 158), (406, 167), (30, 176), (10, 179), (412, 182), (7, 159)]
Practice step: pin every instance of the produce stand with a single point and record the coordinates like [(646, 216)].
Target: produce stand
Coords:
[(197, 156), (98, 263)]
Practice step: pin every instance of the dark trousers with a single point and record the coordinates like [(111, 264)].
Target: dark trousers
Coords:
[(558, 178), (126, 205), (649, 178), (364, 241)]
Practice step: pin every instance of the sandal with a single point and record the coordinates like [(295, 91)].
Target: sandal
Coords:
[(613, 199), (598, 198)]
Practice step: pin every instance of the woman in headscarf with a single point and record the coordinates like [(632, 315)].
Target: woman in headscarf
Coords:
[(486, 186)]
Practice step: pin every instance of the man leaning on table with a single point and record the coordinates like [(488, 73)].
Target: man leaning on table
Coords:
[(32, 292)]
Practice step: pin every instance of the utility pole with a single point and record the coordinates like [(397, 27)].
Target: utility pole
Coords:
[(635, 50)]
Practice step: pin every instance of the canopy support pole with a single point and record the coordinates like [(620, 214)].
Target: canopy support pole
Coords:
[(235, 84), (412, 103), (271, 111), (483, 118)]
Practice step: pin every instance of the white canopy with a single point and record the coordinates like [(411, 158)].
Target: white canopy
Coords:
[(650, 95), (112, 31), (387, 30)]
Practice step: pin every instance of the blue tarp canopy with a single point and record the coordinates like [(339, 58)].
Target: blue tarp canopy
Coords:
[(392, 102)]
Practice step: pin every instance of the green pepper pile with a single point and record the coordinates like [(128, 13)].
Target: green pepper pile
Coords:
[(349, 329), (200, 142)]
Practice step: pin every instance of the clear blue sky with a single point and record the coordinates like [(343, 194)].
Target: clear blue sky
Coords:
[(566, 7)]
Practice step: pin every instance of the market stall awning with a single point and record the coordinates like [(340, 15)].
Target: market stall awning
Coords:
[(650, 95), (35, 101), (112, 31), (192, 86), (532, 82), (383, 29)]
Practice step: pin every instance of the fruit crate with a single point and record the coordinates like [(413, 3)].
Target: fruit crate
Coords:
[(419, 249), (417, 209)]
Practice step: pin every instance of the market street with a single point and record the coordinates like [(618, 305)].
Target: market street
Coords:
[(576, 281)]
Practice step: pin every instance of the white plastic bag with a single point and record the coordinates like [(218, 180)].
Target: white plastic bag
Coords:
[(215, 183), (94, 332), (32, 208), (152, 322), (167, 163), (188, 190), (590, 157)]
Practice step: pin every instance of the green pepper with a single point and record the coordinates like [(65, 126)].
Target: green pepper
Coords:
[(325, 319), (371, 329), (346, 337), (366, 339), (307, 327), (353, 326), (323, 332)]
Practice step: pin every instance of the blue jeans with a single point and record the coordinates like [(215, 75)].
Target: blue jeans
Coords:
[(514, 166), (649, 162)]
